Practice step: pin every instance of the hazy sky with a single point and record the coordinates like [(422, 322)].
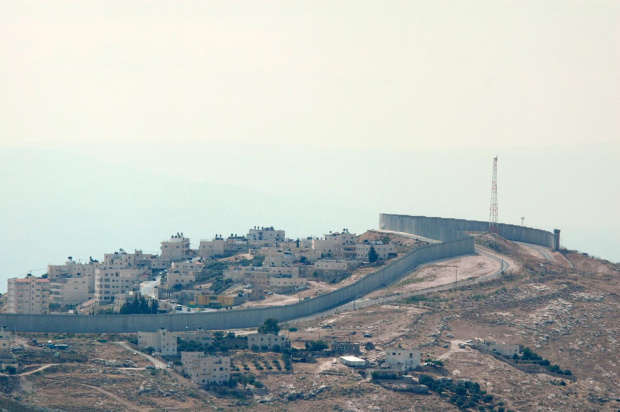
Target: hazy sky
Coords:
[(124, 122)]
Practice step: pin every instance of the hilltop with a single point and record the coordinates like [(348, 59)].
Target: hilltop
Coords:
[(561, 305)]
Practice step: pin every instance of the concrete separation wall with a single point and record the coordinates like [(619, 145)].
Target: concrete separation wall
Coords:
[(447, 229), (454, 243)]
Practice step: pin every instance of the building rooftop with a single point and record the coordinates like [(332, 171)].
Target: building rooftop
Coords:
[(352, 359)]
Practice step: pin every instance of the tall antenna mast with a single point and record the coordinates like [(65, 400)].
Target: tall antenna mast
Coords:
[(493, 224)]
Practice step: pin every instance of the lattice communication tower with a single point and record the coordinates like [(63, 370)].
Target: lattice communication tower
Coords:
[(493, 223)]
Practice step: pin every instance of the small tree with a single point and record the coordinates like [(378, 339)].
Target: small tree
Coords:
[(154, 306), (269, 326), (373, 256), (316, 345)]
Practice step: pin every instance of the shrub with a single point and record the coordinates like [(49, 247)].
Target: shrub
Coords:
[(316, 345)]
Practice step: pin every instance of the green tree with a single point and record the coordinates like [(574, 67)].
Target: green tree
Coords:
[(373, 256), (269, 326), (316, 345), (154, 306)]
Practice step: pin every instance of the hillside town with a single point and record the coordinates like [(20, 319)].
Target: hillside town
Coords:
[(221, 273), (429, 341)]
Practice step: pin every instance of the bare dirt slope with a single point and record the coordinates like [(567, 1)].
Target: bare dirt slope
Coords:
[(566, 315)]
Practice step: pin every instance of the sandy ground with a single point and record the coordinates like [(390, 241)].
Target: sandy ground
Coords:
[(443, 273), (314, 289)]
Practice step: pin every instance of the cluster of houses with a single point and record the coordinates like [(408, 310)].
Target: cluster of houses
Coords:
[(287, 265), (398, 360), (199, 367), (205, 369)]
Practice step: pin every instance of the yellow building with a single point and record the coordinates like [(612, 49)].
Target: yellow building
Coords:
[(209, 300)]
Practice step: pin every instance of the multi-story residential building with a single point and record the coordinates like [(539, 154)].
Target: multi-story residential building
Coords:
[(200, 336), (402, 359), (211, 248), (183, 273), (266, 341), (276, 259), (265, 235), (385, 251), (285, 284), (80, 274), (338, 245), (203, 369), (110, 282), (72, 269), (236, 244), (30, 295), (70, 291), (162, 341), (259, 280), (5, 343), (136, 260), (176, 248)]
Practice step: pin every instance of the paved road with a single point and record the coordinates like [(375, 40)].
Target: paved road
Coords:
[(156, 362), (148, 288), (364, 302), (544, 252)]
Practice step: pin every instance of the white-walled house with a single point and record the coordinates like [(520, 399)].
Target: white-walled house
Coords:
[(162, 341), (203, 369), (266, 341), (402, 359)]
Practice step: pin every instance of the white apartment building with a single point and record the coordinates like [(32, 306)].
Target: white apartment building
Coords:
[(71, 269), (138, 259), (110, 282), (385, 251), (162, 341), (210, 248), (70, 291), (176, 248), (284, 284), (200, 336), (275, 259), (266, 341), (402, 359), (29, 295), (338, 245), (328, 265), (203, 369), (124, 260), (265, 235), (183, 273)]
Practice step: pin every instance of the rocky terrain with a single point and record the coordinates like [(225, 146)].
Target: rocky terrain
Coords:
[(564, 308)]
